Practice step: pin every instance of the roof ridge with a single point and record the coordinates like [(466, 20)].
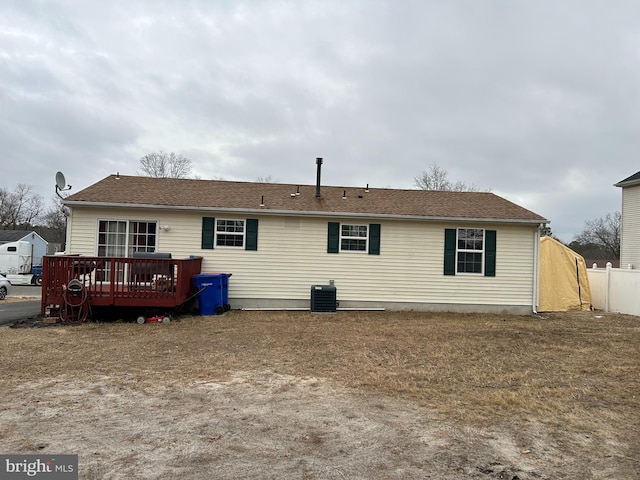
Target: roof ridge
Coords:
[(255, 182), (291, 198)]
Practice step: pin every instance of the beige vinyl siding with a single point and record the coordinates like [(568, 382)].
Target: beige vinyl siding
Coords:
[(179, 239), (292, 256), (630, 237)]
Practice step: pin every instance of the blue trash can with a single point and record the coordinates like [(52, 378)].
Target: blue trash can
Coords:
[(224, 290), (214, 298)]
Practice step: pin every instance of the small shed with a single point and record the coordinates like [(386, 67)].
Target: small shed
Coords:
[(563, 283), (39, 244)]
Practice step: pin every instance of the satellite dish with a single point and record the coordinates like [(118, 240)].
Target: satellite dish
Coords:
[(61, 182)]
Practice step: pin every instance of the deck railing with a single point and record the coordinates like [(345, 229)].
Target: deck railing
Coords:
[(120, 281)]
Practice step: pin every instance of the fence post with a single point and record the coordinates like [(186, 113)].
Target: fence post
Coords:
[(606, 292)]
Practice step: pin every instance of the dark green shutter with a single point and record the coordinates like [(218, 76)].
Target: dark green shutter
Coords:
[(252, 234), (333, 237), (208, 225), (374, 239), (449, 251), (489, 253)]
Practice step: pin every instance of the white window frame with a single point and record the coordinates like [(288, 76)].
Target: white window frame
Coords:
[(242, 234), (131, 248), (128, 248), (352, 237), (110, 245), (467, 249)]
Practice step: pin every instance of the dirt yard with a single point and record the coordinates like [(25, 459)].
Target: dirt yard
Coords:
[(378, 395)]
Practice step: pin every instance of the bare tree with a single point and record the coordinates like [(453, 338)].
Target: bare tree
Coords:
[(436, 178), (165, 165), (55, 221), (267, 179), (20, 207), (603, 233), (546, 232)]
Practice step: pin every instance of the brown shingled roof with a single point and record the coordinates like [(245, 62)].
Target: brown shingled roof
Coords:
[(247, 196)]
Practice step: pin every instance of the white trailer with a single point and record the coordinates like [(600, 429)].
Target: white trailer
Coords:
[(16, 263)]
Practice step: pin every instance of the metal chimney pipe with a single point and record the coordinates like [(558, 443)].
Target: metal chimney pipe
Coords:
[(319, 164)]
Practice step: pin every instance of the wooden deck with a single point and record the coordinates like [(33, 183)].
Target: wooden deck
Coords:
[(118, 281)]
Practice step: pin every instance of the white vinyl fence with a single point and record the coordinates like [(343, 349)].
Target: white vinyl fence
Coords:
[(615, 289)]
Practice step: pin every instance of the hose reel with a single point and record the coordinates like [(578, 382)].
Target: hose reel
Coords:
[(75, 303)]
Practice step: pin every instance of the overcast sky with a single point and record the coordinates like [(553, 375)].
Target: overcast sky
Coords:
[(537, 101)]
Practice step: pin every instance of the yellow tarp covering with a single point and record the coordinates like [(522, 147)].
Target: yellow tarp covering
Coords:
[(563, 281)]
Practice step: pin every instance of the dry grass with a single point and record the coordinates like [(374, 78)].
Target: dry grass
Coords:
[(566, 369), (17, 299)]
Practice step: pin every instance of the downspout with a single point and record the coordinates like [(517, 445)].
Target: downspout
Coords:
[(606, 292), (536, 266), (67, 211)]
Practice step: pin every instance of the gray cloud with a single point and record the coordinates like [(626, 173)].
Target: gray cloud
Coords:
[(537, 101)]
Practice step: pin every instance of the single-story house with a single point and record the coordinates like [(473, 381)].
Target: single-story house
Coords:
[(380, 247), (38, 244), (630, 234)]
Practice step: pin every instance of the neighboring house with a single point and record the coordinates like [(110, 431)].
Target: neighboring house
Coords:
[(599, 263), (383, 248), (39, 244), (630, 235)]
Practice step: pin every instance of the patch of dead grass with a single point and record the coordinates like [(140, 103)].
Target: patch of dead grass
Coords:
[(566, 369), (17, 299)]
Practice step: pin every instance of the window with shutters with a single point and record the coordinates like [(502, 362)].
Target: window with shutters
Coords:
[(470, 251), (229, 233), (347, 237), (354, 238)]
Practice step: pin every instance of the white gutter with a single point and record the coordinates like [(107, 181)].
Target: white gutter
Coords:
[(536, 266), (301, 213), (67, 227)]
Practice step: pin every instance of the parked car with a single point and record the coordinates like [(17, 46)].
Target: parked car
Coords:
[(5, 287)]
